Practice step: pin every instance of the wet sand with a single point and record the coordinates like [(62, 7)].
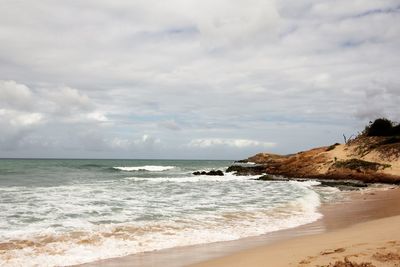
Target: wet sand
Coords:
[(360, 207), (364, 233)]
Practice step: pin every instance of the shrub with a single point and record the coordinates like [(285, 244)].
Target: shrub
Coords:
[(390, 140), (382, 127), (332, 147), (358, 165), (396, 130)]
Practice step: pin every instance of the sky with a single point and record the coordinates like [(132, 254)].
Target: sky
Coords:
[(191, 79)]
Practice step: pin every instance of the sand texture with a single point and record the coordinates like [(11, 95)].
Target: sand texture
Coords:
[(374, 243)]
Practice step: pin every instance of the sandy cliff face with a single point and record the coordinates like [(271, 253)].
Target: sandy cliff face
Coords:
[(370, 159)]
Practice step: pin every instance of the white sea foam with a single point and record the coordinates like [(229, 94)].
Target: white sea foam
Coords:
[(79, 223), (194, 179), (151, 168), (115, 240)]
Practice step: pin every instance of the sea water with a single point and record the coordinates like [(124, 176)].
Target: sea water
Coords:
[(65, 212)]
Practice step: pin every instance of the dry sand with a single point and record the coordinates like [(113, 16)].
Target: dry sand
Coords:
[(376, 242), (346, 152), (366, 244)]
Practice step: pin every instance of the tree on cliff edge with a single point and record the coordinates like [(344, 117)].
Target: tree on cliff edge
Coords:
[(382, 127)]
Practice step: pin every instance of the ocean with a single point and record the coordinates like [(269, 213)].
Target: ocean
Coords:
[(56, 212)]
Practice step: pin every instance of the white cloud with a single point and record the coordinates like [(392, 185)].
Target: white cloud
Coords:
[(19, 119), (225, 22), (146, 141), (66, 100), (14, 95), (26, 119), (237, 143), (97, 116)]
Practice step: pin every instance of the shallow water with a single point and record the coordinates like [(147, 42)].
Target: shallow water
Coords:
[(64, 212)]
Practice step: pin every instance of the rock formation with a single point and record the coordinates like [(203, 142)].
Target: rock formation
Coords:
[(365, 158), (212, 173)]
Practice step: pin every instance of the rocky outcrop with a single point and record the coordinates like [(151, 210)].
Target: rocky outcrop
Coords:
[(211, 173), (262, 158), (246, 170), (368, 159)]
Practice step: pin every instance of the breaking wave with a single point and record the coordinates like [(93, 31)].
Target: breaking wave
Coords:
[(150, 168)]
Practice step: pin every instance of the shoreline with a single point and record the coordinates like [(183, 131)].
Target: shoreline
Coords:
[(380, 204), (367, 232), (368, 244)]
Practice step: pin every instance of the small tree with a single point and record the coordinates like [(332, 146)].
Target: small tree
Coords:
[(380, 127), (396, 130)]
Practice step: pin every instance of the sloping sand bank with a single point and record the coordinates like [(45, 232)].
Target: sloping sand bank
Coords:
[(367, 159), (367, 244)]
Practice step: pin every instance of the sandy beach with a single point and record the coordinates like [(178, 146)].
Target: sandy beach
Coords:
[(374, 243), (340, 233), (367, 243)]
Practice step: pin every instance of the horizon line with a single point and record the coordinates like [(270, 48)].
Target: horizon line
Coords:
[(55, 158)]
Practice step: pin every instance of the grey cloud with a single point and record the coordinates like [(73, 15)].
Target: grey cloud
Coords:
[(15, 127), (187, 70), (380, 100), (170, 124), (27, 117)]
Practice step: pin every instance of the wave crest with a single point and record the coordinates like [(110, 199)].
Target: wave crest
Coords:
[(150, 168)]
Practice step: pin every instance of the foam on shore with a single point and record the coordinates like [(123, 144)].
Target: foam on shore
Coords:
[(88, 222)]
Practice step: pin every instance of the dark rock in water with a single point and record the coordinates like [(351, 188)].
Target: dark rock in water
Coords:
[(246, 170), (212, 173), (200, 173), (345, 185), (217, 173), (274, 178)]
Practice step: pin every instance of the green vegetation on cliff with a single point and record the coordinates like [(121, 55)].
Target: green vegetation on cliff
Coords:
[(360, 165), (382, 127)]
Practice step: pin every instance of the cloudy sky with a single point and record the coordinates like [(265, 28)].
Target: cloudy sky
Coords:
[(193, 78)]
